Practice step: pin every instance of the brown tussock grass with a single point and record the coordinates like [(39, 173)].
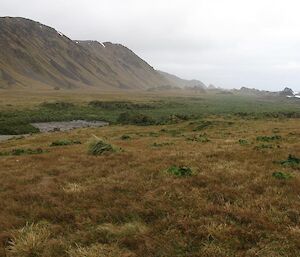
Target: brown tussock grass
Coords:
[(122, 203)]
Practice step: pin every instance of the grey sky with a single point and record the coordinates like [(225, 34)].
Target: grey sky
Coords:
[(230, 43)]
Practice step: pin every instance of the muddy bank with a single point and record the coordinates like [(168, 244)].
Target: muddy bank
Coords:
[(68, 125)]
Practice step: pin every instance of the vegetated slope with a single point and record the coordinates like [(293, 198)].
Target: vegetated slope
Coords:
[(32, 54), (182, 83)]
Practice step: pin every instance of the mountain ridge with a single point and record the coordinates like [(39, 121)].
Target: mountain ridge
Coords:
[(34, 54)]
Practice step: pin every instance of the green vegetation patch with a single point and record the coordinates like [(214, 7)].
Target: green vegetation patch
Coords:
[(264, 146), (19, 151), (125, 137), (122, 105), (291, 161), (281, 175), (202, 138), (57, 105), (268, 138), (64, 142), (162, 144), (164, 110), (243, 142), (10, 127), (180, 171), (99, 147), (135, 119)]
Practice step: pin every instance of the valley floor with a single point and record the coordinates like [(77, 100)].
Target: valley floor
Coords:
[(242, 199)]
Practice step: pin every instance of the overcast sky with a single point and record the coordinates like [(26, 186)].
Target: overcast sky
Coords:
[(232, 43)]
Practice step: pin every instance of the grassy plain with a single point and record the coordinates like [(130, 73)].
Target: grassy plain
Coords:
[(242, 198)]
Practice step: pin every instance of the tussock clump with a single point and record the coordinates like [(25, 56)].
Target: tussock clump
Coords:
[(71, 188), (180, 171), (30, 241), (98, 250), (281, 175), (162, 144), (64, 142), (125, 137), (99, 147), (113, 232), (243, 142), (199, 138), (203, 125)]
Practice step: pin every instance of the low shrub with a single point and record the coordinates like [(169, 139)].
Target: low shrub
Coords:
[(180, 171)]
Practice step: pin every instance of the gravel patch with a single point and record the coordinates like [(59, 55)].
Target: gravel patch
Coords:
[(68, 125)]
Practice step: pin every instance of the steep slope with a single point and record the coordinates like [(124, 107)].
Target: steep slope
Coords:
[(32, 54), (132, 70), (182, 83)]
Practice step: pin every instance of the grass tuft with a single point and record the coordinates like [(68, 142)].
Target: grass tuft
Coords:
[(99, 147), (268, 138), (281, 175), (30, 241), (180, 171), (113, 232), (125, 137), (243, 142), (291, 161), (98, 250), (202, 138)]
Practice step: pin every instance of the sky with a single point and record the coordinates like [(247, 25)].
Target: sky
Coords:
[(229, 44)]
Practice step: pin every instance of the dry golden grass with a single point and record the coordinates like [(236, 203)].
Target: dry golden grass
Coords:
[(123, 204), (32, 97)]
